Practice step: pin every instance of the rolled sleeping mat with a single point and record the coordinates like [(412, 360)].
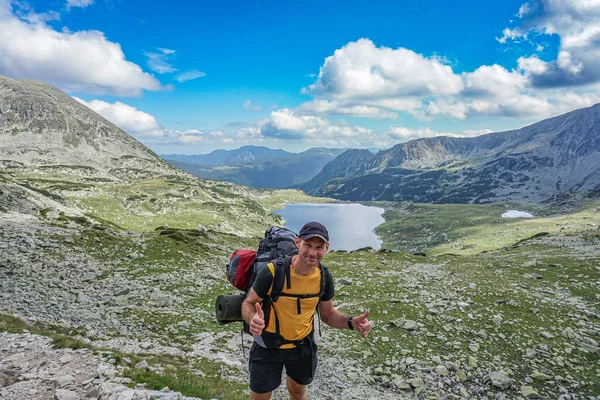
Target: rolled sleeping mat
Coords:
[(228, 308)]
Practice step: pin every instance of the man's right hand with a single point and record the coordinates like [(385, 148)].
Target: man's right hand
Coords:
[(257, 324)]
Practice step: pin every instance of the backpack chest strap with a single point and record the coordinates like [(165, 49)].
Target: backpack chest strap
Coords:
[(300, 297)]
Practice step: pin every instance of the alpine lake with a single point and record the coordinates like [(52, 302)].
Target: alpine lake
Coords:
[(350, 226)]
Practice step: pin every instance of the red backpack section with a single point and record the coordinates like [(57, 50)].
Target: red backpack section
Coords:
[(239, 270)]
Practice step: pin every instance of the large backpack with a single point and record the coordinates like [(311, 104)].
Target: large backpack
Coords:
[(244, 264), (277, 247)]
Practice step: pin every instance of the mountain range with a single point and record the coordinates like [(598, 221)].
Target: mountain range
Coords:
[(533, 163), (45, 131), (245, 154), (256, 166)]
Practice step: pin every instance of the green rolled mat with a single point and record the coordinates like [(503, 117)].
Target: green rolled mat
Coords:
[(228, 308)]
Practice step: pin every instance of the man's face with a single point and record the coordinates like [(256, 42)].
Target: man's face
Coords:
[(311, 251)]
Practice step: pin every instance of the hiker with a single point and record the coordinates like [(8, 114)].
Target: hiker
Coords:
[(289, 319)]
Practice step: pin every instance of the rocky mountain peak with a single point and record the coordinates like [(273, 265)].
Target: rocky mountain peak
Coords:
[(42, 125)]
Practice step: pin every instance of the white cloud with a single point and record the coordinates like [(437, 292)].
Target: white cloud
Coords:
[(404, 134), (158, 61), (329, 107), (189, 75), (73, 61), (144, 127), (532, 65), (493, 81), (195, 136), (128, 118), (362, 80), (248, 106), (287, 125), (360, 70), (577, 24), (79, 3), (511, 34), (349, 84), (476, 132)]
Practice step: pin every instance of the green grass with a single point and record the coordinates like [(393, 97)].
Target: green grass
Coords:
[(470, 229), (527, 306), (181, 380)]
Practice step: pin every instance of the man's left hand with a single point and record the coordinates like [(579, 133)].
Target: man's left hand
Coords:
[(362, 324)]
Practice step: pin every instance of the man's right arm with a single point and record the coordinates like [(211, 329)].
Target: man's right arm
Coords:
[(253, 313)]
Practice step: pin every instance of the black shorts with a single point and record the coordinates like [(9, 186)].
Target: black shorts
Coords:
[(266, 366)]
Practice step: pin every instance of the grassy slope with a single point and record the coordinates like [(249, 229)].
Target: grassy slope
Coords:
[(199, 214), (468, 229), (397, 287)]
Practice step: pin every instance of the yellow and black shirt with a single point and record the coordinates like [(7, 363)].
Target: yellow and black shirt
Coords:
[(295, 316)]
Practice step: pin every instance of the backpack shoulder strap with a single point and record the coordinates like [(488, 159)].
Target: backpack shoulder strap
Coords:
[(324, 274), (281, 275)]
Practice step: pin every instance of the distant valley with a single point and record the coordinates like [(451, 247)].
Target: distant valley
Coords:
[(256, 166)]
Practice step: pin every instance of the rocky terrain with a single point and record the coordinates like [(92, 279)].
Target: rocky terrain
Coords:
[(520, 321), (530, 164), (33, 369)]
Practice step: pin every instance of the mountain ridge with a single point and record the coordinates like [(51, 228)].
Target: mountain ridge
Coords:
[(533, 163), (38, 122), (268, 168)]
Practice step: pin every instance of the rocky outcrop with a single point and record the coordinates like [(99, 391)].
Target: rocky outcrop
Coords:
[(31, 368)]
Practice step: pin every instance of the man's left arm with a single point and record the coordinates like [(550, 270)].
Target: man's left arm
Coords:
[(334, 318)]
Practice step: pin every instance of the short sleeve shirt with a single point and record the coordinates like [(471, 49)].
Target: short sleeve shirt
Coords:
[(295, 315)]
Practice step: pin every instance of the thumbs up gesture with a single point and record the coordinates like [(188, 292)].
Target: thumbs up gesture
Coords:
[(257, 324), (362, 324)]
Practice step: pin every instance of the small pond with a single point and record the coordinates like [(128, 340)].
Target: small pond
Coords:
[(350, 226)]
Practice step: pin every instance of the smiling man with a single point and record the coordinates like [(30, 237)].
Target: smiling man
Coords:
[(282, 321)]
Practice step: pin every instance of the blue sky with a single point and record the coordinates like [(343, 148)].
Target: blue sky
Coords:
[(191, 77)]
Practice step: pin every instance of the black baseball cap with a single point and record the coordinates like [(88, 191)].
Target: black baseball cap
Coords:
[(314, 229)]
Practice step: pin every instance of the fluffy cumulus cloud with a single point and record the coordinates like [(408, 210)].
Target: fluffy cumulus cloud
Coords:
[(403, 134), (287, 125), (326, 107), (363, 80), (74, 61), (360, 70), (577, 24), (128, 118)]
